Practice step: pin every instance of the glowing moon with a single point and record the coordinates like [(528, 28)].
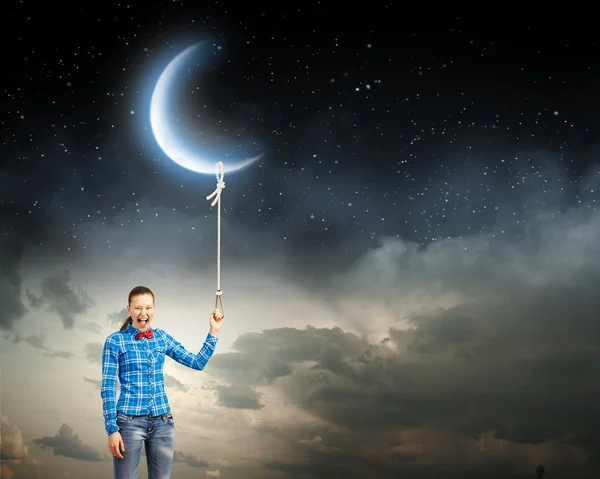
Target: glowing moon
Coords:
[(184, 153)]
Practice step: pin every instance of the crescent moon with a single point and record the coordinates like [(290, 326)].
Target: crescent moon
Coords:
[(183, 153)]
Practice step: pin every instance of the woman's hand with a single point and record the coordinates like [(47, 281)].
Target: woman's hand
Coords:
[(216, 321), (116, 445)]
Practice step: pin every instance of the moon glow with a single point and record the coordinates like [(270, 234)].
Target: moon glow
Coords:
[(162, 119)]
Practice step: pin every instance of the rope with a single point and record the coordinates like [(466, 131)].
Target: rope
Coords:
[(217, 201)]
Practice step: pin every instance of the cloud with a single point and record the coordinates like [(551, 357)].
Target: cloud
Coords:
[(11, 307), (38, 341), (67, 444), (189, 459), (12, 447), (35, 340), (96, 382), (117, 317), (25, 226), (93, 352), (173, 382), (313, 468), (13, 450), (6, 472), (436, 352), (60, 298), (91, 327), (238, 397), (472, 352), (59, 354), (261, 358)]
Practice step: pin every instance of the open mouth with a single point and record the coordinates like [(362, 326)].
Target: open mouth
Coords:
[(143, 322)]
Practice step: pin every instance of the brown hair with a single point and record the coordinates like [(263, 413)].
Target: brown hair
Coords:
[(137, 291)]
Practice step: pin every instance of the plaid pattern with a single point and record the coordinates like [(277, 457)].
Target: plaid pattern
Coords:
[(138, 364)]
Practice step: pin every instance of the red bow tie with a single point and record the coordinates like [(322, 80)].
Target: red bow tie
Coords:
[(146, 334)]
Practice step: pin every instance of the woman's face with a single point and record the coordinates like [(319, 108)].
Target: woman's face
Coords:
[(141, 310)]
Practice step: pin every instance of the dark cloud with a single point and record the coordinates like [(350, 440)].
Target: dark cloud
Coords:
[(262, 359), (59, 297), (189, 459), (117, 317), (38, 341), (314, 468), (173, 382), (34, 300), (67, 444), (96, 382), (91, 327), (59, 354), (93, 352), (11, 305), (24, 223), (239, 397), (508, 364), (35, 340)]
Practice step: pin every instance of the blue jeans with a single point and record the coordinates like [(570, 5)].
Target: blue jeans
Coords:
[(157, 434)]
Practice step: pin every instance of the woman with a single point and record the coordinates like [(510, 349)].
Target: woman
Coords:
[(142, 416)]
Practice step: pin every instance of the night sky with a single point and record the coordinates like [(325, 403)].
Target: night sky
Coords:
[(410, 271)]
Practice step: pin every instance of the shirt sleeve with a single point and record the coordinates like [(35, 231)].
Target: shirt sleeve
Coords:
[(108, 390), (195, 361)]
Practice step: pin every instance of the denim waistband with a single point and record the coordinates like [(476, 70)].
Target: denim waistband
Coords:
[(149, 415)]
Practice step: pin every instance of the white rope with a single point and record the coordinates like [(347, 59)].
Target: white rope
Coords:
[(217, 200)]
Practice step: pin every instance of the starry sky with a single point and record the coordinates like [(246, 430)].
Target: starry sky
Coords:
[(409, 272)]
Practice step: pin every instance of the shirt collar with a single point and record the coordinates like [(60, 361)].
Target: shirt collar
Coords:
[(131, 330)]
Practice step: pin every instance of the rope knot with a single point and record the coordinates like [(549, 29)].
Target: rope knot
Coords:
[(217, 192)]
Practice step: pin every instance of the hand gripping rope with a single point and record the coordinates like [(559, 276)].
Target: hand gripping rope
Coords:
[(217, 201)]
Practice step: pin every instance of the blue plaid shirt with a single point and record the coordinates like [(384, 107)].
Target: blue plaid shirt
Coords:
[(138, 364)]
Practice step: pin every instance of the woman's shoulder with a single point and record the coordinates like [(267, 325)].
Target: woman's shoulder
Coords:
[(162, 335), (116, 336), (160, 332)]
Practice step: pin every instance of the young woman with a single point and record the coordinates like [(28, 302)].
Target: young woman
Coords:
[(142, 416)]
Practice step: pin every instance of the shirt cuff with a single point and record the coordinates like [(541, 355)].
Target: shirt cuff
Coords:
[(111, 428), (212, 339)]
